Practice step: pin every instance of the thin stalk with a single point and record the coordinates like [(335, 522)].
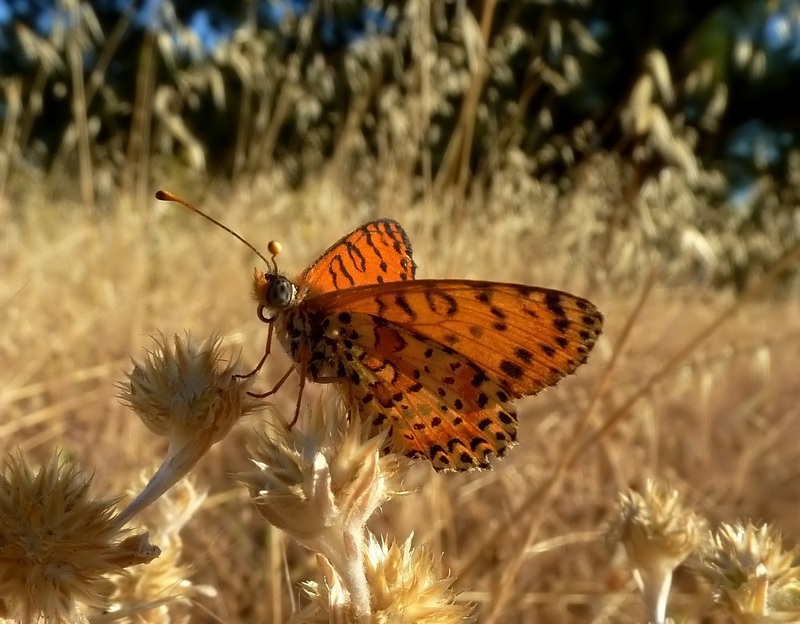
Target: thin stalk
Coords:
[(80, 113)]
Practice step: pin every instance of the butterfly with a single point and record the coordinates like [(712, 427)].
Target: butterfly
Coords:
[(437, 363)]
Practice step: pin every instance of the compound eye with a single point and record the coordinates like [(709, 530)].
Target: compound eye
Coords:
[(280, 293)]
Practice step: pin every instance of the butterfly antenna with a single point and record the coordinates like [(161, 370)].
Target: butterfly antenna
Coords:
[(274, 247), (171, 197)]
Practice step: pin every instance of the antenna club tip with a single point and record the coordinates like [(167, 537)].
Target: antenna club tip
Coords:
[(274, 247), (164, 195)]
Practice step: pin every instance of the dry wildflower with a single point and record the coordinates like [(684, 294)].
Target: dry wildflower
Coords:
[(320, 482), (753, 577), (153, 593), (406, 589), (658, 533), (189, 394), (57, 544)]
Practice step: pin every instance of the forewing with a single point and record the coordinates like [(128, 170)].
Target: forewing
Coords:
[(519, 338), (374, 253)]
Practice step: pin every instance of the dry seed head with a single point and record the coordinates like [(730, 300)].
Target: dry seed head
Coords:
[(163, 590), (751, 573), (57, 544), (320, 482), (187, 389), (326, 448), (654, 527), (658, 533), (187, 392), (405, 585)]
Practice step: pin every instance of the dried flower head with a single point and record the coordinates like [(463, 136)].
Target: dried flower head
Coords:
[(189, 394), (163, 590), (320, 482), (752, 575), (407, 585), (406, 588), (658, 533), (57, 544)]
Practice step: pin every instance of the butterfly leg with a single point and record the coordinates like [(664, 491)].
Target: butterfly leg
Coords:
[(275, 388), (281, 381), (263, 359), (303, 371)]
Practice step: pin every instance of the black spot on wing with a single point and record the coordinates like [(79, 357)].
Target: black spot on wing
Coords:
[(511, 369), (476, 332), (480, 378), (450, 339), (523, 355), (561, 324), (553, 302), (402, 303), (497, 312), (440, 302)]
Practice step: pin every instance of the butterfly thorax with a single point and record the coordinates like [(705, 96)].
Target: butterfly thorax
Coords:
[(302, 334)]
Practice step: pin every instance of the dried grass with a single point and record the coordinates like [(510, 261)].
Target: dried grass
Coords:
[(716, 414), (81, 294)]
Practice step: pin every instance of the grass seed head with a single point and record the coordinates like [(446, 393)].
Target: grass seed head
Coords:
[(187, 390), (326, 463)]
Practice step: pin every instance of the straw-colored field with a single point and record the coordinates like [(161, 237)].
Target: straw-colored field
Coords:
[(713, 412)]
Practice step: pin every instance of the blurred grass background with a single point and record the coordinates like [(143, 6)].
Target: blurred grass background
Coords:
[(602, 148)]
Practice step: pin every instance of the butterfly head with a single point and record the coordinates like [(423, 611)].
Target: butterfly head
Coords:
[(272, 290)]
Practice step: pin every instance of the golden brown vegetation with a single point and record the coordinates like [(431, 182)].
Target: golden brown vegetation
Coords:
[(690, 384), (713, 413)]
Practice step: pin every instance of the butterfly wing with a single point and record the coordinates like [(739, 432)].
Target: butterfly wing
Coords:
[(442, 359), (423, 398), (528, 337), (374, 253)]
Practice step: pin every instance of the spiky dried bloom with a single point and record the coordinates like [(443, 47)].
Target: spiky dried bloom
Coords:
[(753, 577), (187, 392), (406, 587), (658, 534), (58, 545), (161, 591), (319, 482)]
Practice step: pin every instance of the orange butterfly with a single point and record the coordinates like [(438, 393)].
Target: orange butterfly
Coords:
[(438, 362)]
